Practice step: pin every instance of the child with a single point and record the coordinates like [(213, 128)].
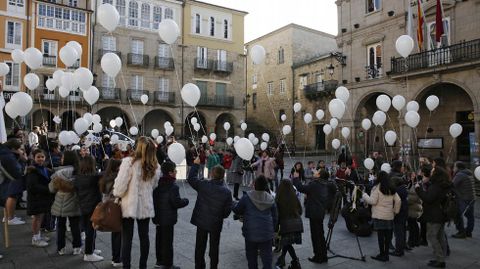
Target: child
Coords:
[(39, 196), (310, 171)]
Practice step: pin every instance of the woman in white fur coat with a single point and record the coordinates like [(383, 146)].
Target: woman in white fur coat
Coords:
[(137, 178)]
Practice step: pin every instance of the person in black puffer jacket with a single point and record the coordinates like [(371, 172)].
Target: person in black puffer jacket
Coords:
[(88, 192), (166, 200), (214, 203), (464, 186), (400, 220)]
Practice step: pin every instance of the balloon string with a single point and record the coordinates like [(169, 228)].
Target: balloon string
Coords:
[(426, 130), (306, 141), (415, 144), (384, 145), (450, 151), (43, 120)]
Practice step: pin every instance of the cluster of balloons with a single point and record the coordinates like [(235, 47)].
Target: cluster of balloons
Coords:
[(20, 105)]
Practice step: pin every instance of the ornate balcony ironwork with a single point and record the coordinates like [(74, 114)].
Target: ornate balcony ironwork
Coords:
[(164, 63), (134, 95), (223, 67), (162, 97), (203, 64), (49, 60), (139, 60), (110, 94), (316, 90), (217, 101), (102, 52), (373, 71)]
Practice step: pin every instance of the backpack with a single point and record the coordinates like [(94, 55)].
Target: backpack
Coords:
[(450, 206)]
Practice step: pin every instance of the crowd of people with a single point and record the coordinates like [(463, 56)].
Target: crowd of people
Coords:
[(64, 185)]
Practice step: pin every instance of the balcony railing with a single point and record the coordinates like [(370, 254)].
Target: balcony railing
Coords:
[(162, 97), (458, 53), (223, 67), (203, 64), (110, 94), (373, 71), (49, 60), (217, 101), (102, 52), (140, 60), (134, 95), (164, 63)]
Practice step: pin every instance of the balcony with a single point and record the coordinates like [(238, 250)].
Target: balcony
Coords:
[(110, 94), (49, 61), (217, 101), (203, 64), (138, 60), (316, 90), (165, 98), (164, 63), (134, 95), (223, 67), (102, 52), (373, 71), (461, 53)]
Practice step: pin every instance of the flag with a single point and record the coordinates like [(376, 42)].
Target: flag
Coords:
[(409, 21), (421, 21), (439, 22)]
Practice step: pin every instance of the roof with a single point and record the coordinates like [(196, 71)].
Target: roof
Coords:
[(312, 60), (288, 26), (217, 6)]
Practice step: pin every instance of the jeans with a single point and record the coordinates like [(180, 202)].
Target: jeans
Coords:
[(74, 229), (413, 232), (236, 187), (201, 172), (400, 233), (252, 250), (201, 246), (384, 239), (436, 238), (116, 247), (164, 245), (469, 214), (318, 239), (89, 234), (290, 250), (127, 235)]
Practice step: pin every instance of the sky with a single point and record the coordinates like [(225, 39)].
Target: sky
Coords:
[(265, 16)]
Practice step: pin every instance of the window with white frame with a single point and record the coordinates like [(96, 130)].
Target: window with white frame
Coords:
[(444, 39), (49, 50), (282, 86), (12, 79), (145, 15), (372, 5), (18, 3), (169, 13), (212, 26), (164, 85), (133, 13), (157, 16), (222, 60), (16, 6), (303, 81), (270, 88), (281, 56), (107, 81), (198, 22), (164, 55), (202, 57), (225, 29), (374, 60), (121, 8), (109, 43), (136, 82), (61, 19), (136, 46), (73, 3), (108, 2), (14, 35)]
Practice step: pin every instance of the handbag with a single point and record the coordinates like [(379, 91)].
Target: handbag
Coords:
[(107, 216), (293, 225)]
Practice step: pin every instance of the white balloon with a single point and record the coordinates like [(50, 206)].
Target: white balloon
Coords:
[(226, 126), (168, 31), (379, 118), (196, 127), (255, 141), (213, 136), (336, 108), (342, 93), (386, 167), (333, 123), (50, 83), (57, 119), (204, 139), (477, 173), (307, 118), (169, 130), (335, 143), (413, 106), (159, 139), (243, 126), (64, 138), (97, 127), (297, 107), (263, 146), (283, 117), (383, 102), (133, 130), (265, 137), (345, 132), (112, 123), (96, 118), (257, 54), (327, 129), (390, 137), (366, 124), (4, 69), (155, 133), (10, 110), (229, 141), (118, 121), (76, 46), (251, 136), (84, 78), (92, 95), (33, 58), (412, 119), (80, 126), (68, 81), (176, 153), (144, 99), (244, 149), (64, 92), (190, 94), (236, 138), (114, 139), (22, 103), (108, 17), (455, 130), (18, 56), (320, 114), (369, 163), (166, 124), (286, 129), (404, 45), (432, 102), (57, 77), (89, 117), (398, 102), (193, 120), (111, 64), (31, 80), (68, 55)]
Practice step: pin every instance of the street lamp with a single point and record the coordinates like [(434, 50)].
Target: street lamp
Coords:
[(331, 69)]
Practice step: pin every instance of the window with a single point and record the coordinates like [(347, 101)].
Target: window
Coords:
[(254, 79), (109, 43), (444, 40), (281, 56), (197, 23), (137, 82), (136, 47), (107, 81), (202, 57), (18, 3), (222, 60), (202, 85), (145, 15), (49, 50), (157, 16), (221, 89), (73, 3), (108, 2), (374, 61), (133, 14), (372, 5), (14, 35), (163, 51), (270, 88), (169, 13), (254, 100), (121, 8), (62, 19), (225, 29), (212, 26), (303, 81), (282, 86), (12, 79), (281, 112), (164, 84)]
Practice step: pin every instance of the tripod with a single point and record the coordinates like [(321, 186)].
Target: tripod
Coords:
[(331, 223)]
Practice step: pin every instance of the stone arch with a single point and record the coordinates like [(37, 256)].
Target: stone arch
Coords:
[(365, 96), (68, 118), (43, 115), (111, 112), (463, 86), (220, 131), (188, 127), (155, 119)]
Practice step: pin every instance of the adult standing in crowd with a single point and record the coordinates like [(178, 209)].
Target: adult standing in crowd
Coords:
[(464, 187), (266, 167), (33, 137), (236, 174), (415, 210)]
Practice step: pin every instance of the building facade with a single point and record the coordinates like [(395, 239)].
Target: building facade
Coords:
[(450, 70)]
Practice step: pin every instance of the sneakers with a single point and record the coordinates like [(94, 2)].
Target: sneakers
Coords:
[(62, 252), (45, 238), (92, 258), (117, 264), (39, 243), (83, 236), (15, 221), (77, 251), (460, 235), (97, 251)]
